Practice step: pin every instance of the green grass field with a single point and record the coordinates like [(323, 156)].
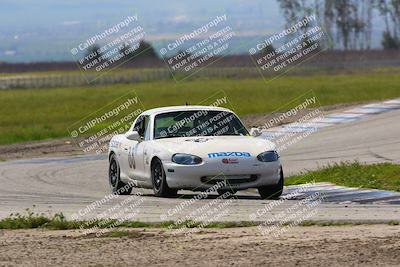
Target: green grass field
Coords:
[(36, 114), (385, 176), (58, 221)]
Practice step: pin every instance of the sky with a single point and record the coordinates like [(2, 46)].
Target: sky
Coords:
[(46, 30)]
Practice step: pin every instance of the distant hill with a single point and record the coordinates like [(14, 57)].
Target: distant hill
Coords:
[(46, 30)]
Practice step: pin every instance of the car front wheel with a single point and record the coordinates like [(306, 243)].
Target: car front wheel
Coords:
[(158, 178), (272, 191)]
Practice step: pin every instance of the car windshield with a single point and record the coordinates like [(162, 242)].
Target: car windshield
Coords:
[(197, 123)]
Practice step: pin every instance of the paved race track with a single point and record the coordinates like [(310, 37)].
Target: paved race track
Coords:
[(69, 184)]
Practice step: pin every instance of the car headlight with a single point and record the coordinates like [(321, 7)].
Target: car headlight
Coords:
[(186, 159), (268, 156)]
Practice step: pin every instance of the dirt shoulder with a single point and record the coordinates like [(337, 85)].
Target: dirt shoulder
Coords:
[(367, 245), (68, 146), (257, 120), (34, 149)]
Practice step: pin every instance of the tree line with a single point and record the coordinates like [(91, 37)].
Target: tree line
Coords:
[(348, 22)]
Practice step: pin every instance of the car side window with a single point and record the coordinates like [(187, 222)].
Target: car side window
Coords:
[(147, 128), (141, 126)]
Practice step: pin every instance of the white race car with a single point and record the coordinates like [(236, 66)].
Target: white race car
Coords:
[(194, 148)]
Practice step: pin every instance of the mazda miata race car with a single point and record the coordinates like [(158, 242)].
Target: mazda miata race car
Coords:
[(195, 148)]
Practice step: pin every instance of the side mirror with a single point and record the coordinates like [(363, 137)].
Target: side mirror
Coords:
[(255, 132), (134, 136)]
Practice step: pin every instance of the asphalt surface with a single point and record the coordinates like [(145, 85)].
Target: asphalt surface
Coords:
[(70, 184), (372, 139)]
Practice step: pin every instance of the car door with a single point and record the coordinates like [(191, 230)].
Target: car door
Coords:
[(136, 150), (127, 150)]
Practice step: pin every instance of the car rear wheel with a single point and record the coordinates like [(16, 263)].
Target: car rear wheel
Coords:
[(272, 191), (117, 186), (160, 186)]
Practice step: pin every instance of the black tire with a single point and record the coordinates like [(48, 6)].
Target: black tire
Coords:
[(223, 191), (117, 186), (158, 178), (272, 191)]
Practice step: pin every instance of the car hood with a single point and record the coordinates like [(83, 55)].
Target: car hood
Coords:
[(203, 146)]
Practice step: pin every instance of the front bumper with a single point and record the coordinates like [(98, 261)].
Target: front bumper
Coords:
[(247, 173)]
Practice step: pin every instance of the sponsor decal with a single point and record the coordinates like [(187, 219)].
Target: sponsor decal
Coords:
[(230, 161), (229, 154), (115, 144)]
